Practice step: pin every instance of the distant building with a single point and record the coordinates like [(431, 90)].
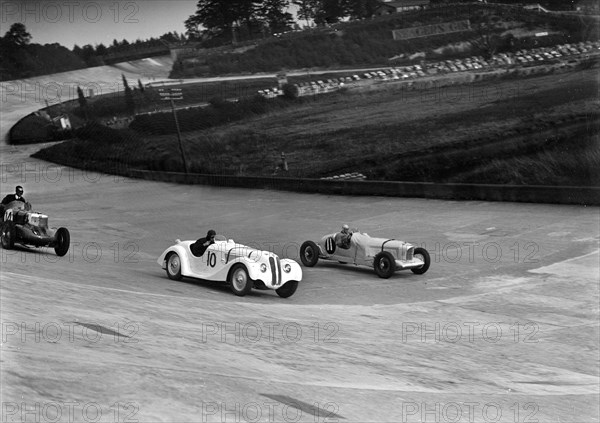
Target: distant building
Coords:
[(398, 6)]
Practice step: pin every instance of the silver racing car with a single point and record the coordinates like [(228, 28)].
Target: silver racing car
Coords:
[(383, 254)]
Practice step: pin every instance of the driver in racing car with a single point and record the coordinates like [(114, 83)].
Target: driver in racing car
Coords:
[(17, 196), (342, 239), (199, 247)]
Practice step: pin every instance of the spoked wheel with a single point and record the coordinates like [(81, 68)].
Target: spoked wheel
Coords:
[(174, 267), (309, 253), (241, 284), (423, 255)]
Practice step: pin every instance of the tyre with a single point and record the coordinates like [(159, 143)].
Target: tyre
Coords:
[(174, 267), (309, 254), (384, 264), (423, 255), (8, 235), (288, 289), (241, 284), (63, 240)]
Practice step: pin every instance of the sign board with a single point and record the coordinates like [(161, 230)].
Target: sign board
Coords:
[(65, 122), (429, 30), (170, 93)]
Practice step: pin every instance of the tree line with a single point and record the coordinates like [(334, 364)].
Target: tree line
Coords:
[(20, 58), (228, 19)]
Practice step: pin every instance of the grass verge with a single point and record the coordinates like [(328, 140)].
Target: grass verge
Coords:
[(542, 130)]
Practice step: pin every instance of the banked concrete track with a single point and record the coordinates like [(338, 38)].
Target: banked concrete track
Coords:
[(24, 96), (503, 327)]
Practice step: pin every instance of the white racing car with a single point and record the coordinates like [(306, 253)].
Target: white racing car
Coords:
[(242, 267), (383, 254)]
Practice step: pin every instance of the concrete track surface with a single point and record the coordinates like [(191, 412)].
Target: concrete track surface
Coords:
[(24, 96), (502, 328)]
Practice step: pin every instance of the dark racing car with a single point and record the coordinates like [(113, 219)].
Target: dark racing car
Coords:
[(20, 225)]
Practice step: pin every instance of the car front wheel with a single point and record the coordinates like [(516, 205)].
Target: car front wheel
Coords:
[(384, 264), (288, 289), (241, 284), (63, 240), (174, 267), (422, 254), (309, 253)]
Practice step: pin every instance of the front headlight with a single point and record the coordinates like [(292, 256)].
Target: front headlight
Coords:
[(287, 268), (263, 267)]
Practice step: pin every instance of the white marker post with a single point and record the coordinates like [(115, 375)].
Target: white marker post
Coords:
[(172, 94)]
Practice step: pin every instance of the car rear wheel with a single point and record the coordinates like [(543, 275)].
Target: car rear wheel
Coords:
[(423, 255), (241, 284), (309, 253), (384, 264), (63, 240), (174, 267), (288, 289), (7, 237)]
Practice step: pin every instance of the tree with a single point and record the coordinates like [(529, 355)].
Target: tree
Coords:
[(272, 12), (141, 85), (87, 53), (307, 9), (360, 9), (129, 101), (77, 50), (17, 35), (488, 39), (290, 91), (82, 102), (101, 50), (330, 11), (81, 98), (221, 16), (192, 28)]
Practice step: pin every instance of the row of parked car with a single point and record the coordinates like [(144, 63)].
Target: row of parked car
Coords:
[(521, 57)]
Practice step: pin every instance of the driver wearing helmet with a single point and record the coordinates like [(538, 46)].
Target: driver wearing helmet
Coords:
[(342, 239), (199, 247)]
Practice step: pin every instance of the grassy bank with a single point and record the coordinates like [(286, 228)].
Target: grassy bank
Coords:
[(537, 131)]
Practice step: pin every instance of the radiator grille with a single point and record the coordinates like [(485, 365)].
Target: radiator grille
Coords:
[(273, 270)]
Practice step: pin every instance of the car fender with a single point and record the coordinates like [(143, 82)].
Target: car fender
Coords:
[(252, 265), (181, 250), (254, 272), (295, 273)]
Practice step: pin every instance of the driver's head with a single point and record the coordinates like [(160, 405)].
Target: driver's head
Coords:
[(19, 190), (210, 234), (345, 229)]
